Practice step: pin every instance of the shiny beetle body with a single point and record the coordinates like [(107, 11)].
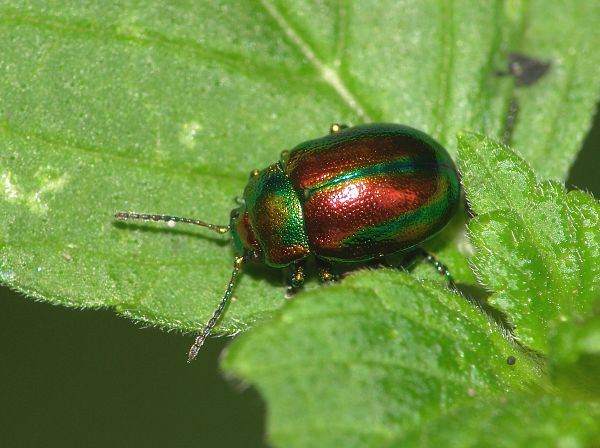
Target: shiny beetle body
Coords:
[(354, 195), (357, 194)]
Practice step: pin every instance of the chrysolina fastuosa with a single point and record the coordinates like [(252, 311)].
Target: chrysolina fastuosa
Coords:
[(357, 194)]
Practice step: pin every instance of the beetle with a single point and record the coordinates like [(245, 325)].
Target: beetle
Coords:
[(357, 194)]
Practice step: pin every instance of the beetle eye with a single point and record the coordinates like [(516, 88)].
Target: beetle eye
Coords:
[(254, 173)]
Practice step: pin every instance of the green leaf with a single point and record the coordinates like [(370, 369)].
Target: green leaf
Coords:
[(161, 107), (520, 420), (365, 362), (575, 358), (537, 245)]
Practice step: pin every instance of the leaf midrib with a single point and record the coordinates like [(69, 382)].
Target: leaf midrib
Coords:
[(330, 75)]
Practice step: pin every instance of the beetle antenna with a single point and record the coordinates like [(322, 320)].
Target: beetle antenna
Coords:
[(195, 348), (124, 216)]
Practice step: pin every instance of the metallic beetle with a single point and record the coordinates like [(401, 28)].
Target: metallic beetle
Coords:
[(357, 194)]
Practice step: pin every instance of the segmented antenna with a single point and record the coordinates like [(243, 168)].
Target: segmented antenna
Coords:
[(195, 348), (125, 216)]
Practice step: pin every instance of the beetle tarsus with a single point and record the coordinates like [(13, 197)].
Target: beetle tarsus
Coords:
[(298, 275), (296, 279), (326, 273)]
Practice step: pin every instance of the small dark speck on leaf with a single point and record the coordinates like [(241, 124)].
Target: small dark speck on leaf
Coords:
[(511, 360), (526, 70)]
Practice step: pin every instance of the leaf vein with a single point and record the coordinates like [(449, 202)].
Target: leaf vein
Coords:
[(86, 148), (328, 74), (234, 62)]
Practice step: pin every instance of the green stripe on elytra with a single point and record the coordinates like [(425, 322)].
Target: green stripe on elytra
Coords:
[(396, 167), (402, 223)]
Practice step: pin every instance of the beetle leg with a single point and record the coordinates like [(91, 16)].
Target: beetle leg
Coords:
[(336, 127), (379, 262), (296, 280), (440, 267), (326, 273)]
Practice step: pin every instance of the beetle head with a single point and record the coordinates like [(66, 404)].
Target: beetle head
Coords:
[(242, 234)]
